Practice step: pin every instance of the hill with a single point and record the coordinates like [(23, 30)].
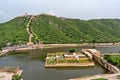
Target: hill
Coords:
[(14, 31), (52, 29)]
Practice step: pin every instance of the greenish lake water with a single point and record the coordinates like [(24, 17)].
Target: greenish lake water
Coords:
[(33, 64)]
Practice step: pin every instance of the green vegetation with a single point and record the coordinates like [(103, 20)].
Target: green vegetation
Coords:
[(16, 77), (118, 76), (14, 32), (12, 69), (60, 57), (9, 69), (114, 59), (72, 61), (61, 61), (51, 60), (72, 50), (100, 79), (84, 61), (50, 55), (51, 29), (59, 53)]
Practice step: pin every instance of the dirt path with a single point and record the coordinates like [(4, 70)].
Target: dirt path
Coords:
[(28, 31)]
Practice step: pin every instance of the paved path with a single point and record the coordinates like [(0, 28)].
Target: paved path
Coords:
[(28, 31)]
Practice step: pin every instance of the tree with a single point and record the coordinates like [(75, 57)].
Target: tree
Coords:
[(72, 50)]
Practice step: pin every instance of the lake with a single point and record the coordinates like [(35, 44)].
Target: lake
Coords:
[(33, 64)]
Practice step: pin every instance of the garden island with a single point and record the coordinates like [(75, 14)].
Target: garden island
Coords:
[(68, 59)]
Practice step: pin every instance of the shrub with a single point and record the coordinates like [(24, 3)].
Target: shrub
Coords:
[(72, 50), (16, 77), (114, 59)]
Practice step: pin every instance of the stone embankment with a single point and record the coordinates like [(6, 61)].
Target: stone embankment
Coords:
[(94, 54), (5, 50), (70, 65), (7, 73), (84, 44)]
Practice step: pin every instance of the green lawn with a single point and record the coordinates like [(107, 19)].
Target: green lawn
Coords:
[(72, 61), (62, 61), (51, 60), (84, 61), (50, 55)]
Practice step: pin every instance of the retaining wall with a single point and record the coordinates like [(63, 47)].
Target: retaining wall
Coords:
[(106, 64), (102, 61)]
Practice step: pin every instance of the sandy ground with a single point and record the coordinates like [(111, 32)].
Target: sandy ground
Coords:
[(107, 76)]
